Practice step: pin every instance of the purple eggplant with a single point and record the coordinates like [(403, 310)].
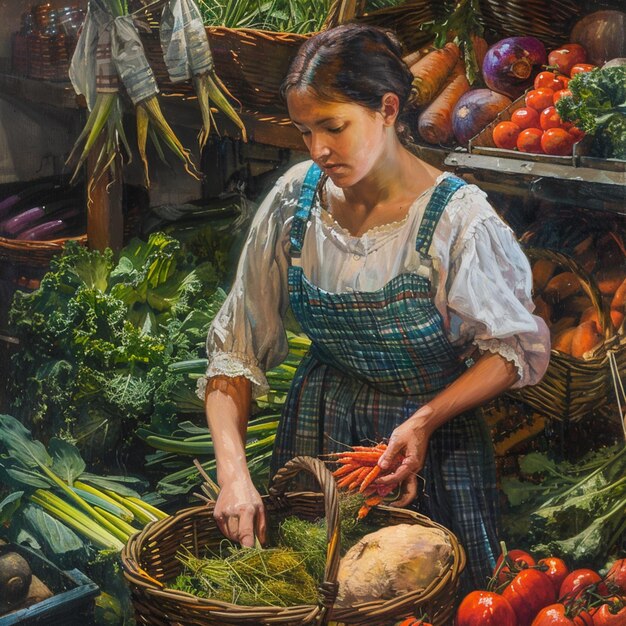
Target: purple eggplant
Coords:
[(22, 221), (40, 191), (43, 232), (509, 64), (28, 218)]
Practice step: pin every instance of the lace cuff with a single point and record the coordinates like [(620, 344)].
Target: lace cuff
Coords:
[(506, 351), (232, 364)]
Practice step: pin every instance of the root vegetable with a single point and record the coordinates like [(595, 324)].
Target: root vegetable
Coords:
[(476, 109), (435, 123), (563, 341), (430, 72), (584, 338), (15, 578), (390, 562), (561, 286), (543, 269)]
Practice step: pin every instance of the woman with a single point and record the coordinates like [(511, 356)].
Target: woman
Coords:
[(396, 272)]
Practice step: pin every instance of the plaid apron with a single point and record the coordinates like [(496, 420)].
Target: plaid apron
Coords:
[(376, 357)]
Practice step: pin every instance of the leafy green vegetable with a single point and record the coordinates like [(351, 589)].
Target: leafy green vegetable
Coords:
[(292, 16), (598, 106), (461, 22), (98, 336), (573, 510)]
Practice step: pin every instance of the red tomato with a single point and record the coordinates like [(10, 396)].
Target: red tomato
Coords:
[(565, 80), (519, 558), (549, 118), (413, 621), (485, 608), (540, 98), (557, 571), (525, 117), (529, 140), (612, 614), (580, 68), (578, 580), (576, 133), (549, 80), (529, 592), (505, 135), (617, 576), (557, 142), (565, 57), (559, 94), (556, 615)]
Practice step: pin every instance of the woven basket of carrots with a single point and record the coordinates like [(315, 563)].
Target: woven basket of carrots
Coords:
[(150, 562), (588, 355)]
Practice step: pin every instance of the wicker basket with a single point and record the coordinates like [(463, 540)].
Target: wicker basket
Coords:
[(572, 388), (34, 254), (253, 63), (149, 561), (548, 20)]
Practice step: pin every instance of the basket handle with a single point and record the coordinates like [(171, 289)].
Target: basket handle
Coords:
[(331, 505), (586, 281), (341, 11)]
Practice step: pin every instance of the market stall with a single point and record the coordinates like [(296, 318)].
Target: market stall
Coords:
[(155, 130)]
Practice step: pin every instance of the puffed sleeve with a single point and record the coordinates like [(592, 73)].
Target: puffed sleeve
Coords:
[(488, 284), (247, 336)]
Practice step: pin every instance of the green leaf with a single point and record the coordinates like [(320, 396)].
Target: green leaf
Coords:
[(67, 462), (19, 444), (122, 485), (9, 506), (51, 533), (26, 477)]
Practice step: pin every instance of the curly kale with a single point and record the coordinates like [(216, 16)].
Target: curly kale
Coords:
[(97, 337), (598, 106)]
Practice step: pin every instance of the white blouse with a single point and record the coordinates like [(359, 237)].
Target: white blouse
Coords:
[(482, 279)]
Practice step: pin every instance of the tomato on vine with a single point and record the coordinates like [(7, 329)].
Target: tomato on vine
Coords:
[(529, 592), (556, 570), (612, 613), (485, 608), (558, 615)]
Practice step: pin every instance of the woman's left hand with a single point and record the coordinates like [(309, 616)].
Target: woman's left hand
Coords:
[(411, 440)]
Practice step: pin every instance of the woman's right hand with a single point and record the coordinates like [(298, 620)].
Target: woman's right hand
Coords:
[(239, 512)]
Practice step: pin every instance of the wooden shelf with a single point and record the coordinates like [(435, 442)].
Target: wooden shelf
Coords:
[(59, 95), (586, 187)]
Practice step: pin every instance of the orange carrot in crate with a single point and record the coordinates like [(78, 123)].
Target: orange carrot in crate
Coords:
[(369, 503), (431, 72), (435, 123)]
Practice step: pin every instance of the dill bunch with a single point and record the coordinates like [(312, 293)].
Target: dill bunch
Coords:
[(248, 577)]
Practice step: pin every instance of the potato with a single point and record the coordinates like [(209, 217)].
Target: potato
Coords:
[(392, 561)]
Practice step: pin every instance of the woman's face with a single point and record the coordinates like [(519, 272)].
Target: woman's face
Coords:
[(345, 139)]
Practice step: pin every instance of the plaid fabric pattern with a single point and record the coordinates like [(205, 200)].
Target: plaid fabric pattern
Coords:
[(376, 358)]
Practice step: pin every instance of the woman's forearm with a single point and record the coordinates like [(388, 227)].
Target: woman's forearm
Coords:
[(227, 405), (491, 375)]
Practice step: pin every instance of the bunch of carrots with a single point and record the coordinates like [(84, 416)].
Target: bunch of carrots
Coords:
[(358, 470)]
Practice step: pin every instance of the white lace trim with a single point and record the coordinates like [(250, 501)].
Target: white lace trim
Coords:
[(233, 364), (508, 352)]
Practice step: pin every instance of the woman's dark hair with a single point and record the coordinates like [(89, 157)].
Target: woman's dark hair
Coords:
[(351, 63)]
